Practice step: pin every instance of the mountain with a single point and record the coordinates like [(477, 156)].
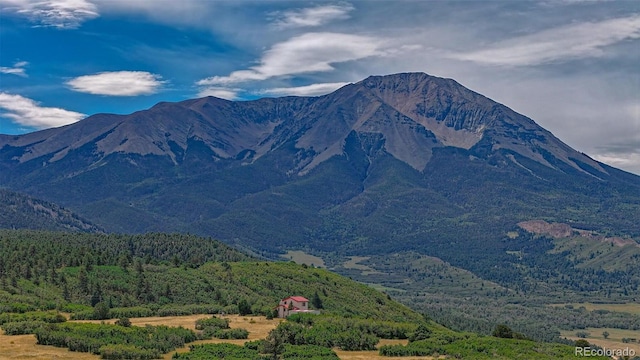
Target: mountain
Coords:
[(413, 113), (405, 162), (19, 211)]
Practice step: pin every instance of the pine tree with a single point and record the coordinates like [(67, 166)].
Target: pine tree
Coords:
[(244, 308), (83, 280), (316, 301)]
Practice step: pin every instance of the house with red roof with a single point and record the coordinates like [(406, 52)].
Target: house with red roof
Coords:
[(294, 305)]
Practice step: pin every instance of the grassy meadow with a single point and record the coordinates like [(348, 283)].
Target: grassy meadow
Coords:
[(301, 257), (25, 347), (631, 308)]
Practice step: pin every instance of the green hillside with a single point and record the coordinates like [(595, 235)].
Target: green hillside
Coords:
[(97, 276), (166, 274), (19, 211)]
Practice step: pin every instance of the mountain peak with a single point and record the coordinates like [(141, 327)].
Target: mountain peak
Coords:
[(413, 113)]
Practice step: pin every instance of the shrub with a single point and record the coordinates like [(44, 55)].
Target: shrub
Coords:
[(582, 334), (83, 315), (91, 337), (231, 334), (219, 351), (308, 352), (17, 307), (130, 312), (177, 310), (244, 308), (400, 350), (74, 308), (421, 333), (48, 317), (212, 322), (353, 340), (582, 343), (123, 322), (254, 345), (101, 311), (22, 327), (126, 352), (502, 331)]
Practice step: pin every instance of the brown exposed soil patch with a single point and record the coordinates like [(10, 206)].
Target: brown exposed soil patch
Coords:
[(557, 230), (560, 230)]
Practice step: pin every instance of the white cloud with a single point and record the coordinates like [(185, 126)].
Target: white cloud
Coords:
[(27, 112), (313, 16), (117, 83), (586, 39), (223, 93), (61, 14), (189, 12), (17, 69), (308, 90), (311, 52), (629, 161)]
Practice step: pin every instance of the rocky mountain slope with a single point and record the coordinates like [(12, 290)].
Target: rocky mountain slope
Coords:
[(414, 113), (388, 164)]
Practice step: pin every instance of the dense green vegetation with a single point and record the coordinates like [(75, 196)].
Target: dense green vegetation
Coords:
[(115, 276), (592, 270), (252, 351), (27, 323), (219, 328), (113, 341), (99, 276), (119, 341), (474, 347), (44, 316), (346, 334), (19, 211), (426, 338)]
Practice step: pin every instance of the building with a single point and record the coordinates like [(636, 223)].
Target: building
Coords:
[(294, 305)]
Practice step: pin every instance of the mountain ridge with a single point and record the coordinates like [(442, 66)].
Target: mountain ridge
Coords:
[(19, 211), (424, 107)]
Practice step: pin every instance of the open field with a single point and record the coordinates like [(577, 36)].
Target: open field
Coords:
[(614, 341), (24, 346), (354, 263), (383, 288), (632, 308), (301, 257)]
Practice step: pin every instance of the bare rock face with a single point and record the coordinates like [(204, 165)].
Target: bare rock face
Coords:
[(413, 112)]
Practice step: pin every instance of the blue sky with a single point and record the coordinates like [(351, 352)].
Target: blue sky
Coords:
[(571, 65)]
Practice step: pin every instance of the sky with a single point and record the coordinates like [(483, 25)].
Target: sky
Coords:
[(573, 66)]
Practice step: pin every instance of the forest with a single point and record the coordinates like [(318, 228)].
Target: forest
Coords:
[(160, 274), (99, 277)]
